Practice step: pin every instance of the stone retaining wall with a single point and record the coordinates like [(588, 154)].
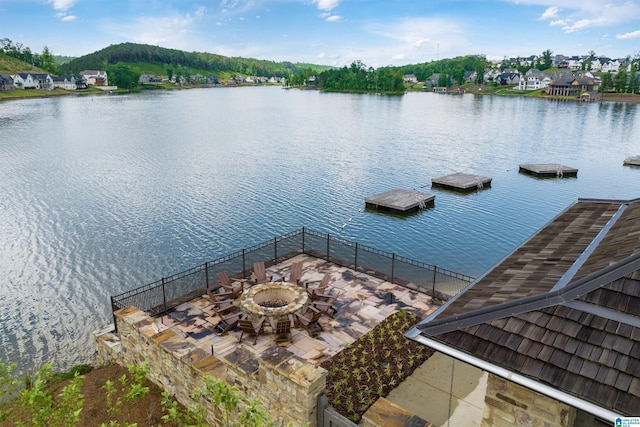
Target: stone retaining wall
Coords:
[(507, 404), (287, 385)]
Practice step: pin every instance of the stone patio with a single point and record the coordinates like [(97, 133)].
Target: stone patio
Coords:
[(363, 301)]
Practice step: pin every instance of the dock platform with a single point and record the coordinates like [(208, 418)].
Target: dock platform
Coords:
[(549, 170), (399, 200), (632, 161), (462, 182)]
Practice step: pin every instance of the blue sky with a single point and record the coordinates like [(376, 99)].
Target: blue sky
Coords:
[(331, 32)]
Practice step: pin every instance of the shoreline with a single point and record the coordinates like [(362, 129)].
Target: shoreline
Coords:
[(605, 97)]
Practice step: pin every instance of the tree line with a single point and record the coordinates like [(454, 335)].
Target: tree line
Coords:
[(355, 78), (178, 59), (44, 60)]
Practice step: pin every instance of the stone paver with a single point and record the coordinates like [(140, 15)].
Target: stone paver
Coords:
[(363, 301)]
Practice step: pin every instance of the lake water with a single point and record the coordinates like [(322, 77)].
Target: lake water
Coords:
[(102, 194)]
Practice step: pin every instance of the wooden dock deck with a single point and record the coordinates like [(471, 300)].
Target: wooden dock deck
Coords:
[(632, 161), (549, 170), (462, 182), (399, 200)]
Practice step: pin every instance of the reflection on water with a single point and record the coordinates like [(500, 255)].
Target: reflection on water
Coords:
[(103, 194)]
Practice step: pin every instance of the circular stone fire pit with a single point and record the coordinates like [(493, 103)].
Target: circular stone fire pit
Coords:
[(276, 300)]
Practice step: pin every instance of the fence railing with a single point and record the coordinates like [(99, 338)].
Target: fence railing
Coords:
[(162, 296)]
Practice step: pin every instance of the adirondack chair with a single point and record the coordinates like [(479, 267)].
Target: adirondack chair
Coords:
[(326, 306), (282, 331), (228, 322), (221, 307), (226, 282), (251, 328), (296, 273), (309, 322), (259, 274), (225, 295), (318, 291)]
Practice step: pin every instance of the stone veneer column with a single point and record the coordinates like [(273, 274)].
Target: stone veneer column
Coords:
[(508, 404), (287, 385)]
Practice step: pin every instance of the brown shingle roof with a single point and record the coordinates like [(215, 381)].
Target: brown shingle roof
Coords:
[(578, 327)]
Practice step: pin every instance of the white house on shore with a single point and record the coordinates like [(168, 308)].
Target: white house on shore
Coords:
[(95, 77), (38, 81)]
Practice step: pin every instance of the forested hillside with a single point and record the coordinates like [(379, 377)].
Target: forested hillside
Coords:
[(10, 66), (451, 69), (178, 61)]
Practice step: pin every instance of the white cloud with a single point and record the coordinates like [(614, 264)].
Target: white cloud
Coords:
[(550, 13), (558, 23), (631, 35), (62, 4), (327, 4), (334, 18), (578, 15), (69, 18), (173, 30), (582, 24)]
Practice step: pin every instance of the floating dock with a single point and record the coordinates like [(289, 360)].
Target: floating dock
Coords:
[(461, 182), (400, 200), (549, 170), (632, 161)]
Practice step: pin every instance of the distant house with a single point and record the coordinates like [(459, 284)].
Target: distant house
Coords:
[(574, 63), (611, 66), (410, 78), (534, 79), (490, 75), (470, 76), (213, 80), (37, 81), (95, 77), (432, 81), (311, 81), (573, 84), (6, 83), (508, 78), (149, 78)]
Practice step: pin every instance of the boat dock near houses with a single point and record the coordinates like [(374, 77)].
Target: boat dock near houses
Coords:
[(461, 182), (399, 200), (549, 170)]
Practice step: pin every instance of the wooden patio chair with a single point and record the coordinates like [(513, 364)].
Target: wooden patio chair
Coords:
[(296, 273), (252, 328), (326, 307), (222, 307), (226, 282), (309, 322), (225, 295), (318, 291), (282, 331), (259, 274), (228, 322)]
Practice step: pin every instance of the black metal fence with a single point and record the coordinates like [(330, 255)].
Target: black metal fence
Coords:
[(167, 293)]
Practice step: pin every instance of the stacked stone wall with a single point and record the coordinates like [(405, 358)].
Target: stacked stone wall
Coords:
[(507, 405), (287, 385)]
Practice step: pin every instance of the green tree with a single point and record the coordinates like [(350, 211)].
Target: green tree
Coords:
[(547, 60), (48, 61), (606, 83), (620, 81), (123, 76)]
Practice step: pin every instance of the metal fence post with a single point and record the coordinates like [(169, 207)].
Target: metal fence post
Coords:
[(206, 275), (393, 265), (113, 313), (164, 296), (328, 247), (303, 240), (355, 261), (433, 289), (244, 267), (275, 250)]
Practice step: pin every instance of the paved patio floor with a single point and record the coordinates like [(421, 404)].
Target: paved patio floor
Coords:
[(362, 303)]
